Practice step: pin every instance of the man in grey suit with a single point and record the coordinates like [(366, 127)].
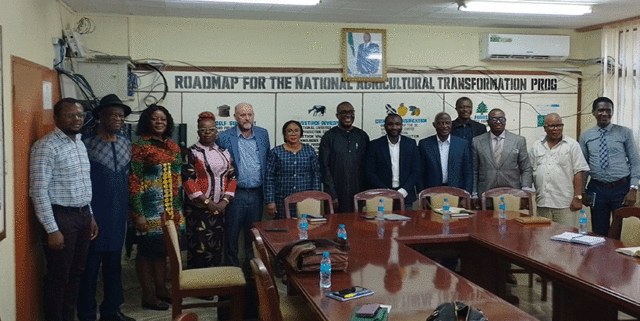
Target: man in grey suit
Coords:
[(500, 158)]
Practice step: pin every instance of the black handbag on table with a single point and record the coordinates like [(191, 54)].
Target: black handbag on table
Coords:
[(455, 311)]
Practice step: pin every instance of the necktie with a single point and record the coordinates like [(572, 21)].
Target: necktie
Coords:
[(497, 150), (604, 151)]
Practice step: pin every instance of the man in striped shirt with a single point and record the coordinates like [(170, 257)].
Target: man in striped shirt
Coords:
[(60, 188)]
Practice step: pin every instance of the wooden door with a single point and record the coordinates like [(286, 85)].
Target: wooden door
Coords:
[(30, 122)]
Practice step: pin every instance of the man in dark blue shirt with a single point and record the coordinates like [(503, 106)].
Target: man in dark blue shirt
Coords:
[(463, 126)]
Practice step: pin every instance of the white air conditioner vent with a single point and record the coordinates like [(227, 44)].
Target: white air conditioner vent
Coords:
[(515, 47)]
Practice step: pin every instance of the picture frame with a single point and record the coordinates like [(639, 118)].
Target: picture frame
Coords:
[(364, 54)]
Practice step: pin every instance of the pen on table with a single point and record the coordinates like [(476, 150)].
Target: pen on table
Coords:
[(349, 295)]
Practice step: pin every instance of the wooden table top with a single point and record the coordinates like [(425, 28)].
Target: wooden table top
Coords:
[(414, 285)]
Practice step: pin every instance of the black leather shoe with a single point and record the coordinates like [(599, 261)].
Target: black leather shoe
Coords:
[(118, 317)]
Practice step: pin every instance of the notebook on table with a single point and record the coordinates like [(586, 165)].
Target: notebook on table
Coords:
[(578, 238)]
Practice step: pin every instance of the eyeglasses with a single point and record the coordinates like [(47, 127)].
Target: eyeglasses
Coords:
[(557, 126), (73, 116), (292, 131), (346, 112), (207, 130), (498, 119)]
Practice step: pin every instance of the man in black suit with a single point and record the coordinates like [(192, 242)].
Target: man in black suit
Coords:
[(446, 159), (463, 126), (393, 161)]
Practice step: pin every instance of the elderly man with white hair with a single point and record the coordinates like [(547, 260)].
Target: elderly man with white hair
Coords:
[(248, 145)]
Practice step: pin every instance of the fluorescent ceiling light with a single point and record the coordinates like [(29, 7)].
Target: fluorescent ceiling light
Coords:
[(283, 2), (525, 8)]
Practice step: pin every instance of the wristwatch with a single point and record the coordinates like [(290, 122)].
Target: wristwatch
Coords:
[(207, 201), (578, 197)]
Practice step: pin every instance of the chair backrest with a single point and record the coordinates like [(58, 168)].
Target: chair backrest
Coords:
[(267, 292), (260, 251), (434, 197), (515, 199), (311, 203), (625, 227), (186, 317), (173, 248), (372, 197)]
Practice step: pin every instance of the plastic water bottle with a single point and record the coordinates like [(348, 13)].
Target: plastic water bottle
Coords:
[(342, 232), (582, 222), (380, 214), (325, 271), (446, 210), (303, 233), (502, 209)]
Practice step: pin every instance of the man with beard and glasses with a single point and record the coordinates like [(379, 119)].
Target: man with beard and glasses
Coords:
[(500, 158), (60, 189)]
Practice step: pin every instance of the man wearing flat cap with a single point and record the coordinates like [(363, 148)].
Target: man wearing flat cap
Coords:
[(109, 155)]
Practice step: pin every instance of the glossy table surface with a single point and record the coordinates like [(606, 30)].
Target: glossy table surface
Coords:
[(413, 284)]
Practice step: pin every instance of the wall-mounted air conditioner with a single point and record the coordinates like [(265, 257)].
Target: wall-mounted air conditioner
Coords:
[(513, 47)]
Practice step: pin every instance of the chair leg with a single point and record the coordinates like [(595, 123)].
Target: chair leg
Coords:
[(176, 307), (237, 305), (530, 280), (543, 297)]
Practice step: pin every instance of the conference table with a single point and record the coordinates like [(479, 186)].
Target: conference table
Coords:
[(589, 283)]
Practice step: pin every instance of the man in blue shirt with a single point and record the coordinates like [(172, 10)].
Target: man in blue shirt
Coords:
[(248, 146), (614, 164)]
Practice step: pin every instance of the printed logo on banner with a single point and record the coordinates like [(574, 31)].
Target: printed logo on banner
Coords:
[(541, 120), (318, 110), (410, 119), (224, 111), (481, 109)]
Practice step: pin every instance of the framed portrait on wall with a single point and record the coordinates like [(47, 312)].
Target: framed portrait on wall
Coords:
[(364, 54)]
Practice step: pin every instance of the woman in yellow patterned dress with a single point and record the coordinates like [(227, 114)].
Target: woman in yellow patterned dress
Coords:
[(155, 189)]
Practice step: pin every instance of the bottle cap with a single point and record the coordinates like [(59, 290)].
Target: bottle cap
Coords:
[(325, 254), (502, 198), (341, 225), (582, 210), (304, 215), (446, 199)]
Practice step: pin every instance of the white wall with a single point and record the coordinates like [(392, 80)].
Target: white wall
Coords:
[(27, 28), (249, 43)]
